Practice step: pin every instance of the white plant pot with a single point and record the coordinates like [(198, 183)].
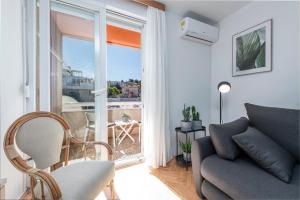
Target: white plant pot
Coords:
[(125, 119), (197, 125), (187, 157), (186, 126)]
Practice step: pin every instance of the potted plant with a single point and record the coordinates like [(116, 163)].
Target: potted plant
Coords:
[(125, 117), (196, 123), (186, 124), (186, 148)]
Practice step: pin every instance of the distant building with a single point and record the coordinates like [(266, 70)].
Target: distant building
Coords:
[(113, 83), (77, 86), (131, 90)]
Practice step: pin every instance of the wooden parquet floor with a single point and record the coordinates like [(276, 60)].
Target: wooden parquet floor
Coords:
[(178, 180), (174, 177)]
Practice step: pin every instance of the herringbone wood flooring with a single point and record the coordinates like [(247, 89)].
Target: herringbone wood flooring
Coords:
[(178, 180), (174, 177)]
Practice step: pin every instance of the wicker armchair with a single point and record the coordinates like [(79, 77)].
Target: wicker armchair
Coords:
[(43, 136)]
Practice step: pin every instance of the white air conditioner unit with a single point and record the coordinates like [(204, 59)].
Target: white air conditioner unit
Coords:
[(198, 31)]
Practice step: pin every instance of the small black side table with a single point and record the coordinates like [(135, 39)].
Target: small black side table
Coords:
[(179, 158)]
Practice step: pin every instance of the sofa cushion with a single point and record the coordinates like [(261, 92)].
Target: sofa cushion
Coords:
[(221, 136), (266, 153), (282, 125), (243, 179)]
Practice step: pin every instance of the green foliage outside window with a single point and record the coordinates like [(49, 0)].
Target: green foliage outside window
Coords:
[(113, 92)]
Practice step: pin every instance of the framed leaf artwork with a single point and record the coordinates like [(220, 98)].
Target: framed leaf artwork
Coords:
[(252, 50)]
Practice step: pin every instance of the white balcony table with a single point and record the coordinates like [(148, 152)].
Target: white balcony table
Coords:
[(126, 128)]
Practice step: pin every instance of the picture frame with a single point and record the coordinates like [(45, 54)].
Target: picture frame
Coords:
[(252, 50)]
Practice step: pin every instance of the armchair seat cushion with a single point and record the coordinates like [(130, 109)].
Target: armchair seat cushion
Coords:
[(82, 180)]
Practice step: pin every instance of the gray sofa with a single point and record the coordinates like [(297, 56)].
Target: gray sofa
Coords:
[(218, 178)]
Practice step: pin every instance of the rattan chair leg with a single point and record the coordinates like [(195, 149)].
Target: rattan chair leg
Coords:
[(112, 189)]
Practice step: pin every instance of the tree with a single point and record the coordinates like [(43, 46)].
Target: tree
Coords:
[(113, 92)]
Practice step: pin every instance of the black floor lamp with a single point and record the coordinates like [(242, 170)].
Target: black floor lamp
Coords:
[(223, 87)]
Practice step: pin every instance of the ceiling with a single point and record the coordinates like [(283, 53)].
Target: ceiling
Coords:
[(213, 11)]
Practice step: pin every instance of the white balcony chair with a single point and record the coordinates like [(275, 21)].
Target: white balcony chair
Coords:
[(90, 120), (43, 136), (90, 124)]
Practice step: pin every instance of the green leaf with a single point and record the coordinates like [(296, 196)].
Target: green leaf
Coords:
[(186, 146), (260, 60), (247, 49), (186, 113), (239, 52)]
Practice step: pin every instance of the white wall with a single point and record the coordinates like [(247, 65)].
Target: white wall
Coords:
[(298, 53), (277, 88), (11, 82), (0, 82), (1, 152), (188, 75)]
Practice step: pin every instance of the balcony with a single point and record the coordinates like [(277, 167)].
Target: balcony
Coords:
[(75, 114)]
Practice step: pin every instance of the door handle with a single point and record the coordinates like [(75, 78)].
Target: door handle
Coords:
[(99, 92)]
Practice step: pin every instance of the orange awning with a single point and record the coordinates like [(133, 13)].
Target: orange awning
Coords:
[(123, 37)]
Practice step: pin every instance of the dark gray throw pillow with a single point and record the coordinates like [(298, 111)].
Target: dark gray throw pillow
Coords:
[(221, 136), (266, 153), (280, 124)]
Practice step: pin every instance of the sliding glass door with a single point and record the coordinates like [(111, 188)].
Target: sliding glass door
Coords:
[(74, 59)]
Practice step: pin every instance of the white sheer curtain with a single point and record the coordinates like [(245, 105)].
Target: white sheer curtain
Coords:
[(156, 116)]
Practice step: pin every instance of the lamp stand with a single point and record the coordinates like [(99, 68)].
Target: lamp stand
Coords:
[(220, 108)]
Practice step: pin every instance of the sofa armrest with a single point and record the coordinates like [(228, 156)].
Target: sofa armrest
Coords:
[(201, 148)]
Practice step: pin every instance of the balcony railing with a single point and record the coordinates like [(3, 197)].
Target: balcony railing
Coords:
[(75, 112)]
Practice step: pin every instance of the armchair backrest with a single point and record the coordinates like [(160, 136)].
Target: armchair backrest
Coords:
[(40, 135), (42, 139)]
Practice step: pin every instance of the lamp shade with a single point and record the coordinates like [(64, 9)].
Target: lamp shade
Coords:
[(224, 87)]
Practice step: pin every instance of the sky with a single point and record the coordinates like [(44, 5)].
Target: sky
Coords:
[(123, 63)]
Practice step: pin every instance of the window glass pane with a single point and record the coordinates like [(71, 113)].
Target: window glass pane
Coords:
[(78, 69), (124, 73), (72, 73)]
